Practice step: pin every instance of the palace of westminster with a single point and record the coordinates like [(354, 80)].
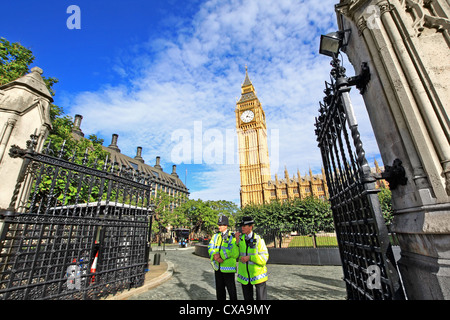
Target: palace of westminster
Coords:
[(257, 187)]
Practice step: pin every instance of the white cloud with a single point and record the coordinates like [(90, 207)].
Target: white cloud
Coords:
[(196, 76), (218, 183)]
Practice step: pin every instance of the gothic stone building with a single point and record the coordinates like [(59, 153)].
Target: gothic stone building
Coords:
[(169, 183), (257, 187), (256, 184)]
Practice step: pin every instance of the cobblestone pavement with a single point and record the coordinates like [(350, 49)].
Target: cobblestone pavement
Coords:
[(193, 279)]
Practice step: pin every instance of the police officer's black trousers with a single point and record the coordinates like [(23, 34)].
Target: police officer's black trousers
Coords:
[(225, 280), (261, 291)]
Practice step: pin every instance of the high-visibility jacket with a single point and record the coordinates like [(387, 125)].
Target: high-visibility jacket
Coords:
[(254, 271), (228, 250)]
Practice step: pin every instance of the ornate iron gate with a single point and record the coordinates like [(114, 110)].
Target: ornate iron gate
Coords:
[(368, 262), (73, 231)]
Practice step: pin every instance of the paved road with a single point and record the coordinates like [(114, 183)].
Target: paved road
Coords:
[(193, 279)]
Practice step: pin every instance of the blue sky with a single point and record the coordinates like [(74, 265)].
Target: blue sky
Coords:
[(165, 75)]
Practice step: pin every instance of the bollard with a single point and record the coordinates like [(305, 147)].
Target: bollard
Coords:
[(156, 259)]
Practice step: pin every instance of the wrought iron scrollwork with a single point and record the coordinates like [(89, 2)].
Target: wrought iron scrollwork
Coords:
[(63, 216), (360, 228)]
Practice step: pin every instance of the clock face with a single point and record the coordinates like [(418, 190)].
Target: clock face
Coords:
[(247, 116)]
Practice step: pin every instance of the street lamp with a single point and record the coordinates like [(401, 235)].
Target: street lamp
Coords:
[(331, 43)]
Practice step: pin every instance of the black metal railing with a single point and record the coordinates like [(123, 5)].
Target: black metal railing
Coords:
[(73, 231)]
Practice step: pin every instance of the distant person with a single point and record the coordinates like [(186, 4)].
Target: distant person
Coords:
[(223, 252), (253, 256)]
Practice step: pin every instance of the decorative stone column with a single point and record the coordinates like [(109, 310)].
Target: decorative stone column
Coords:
[(24, 110), (406, 45)]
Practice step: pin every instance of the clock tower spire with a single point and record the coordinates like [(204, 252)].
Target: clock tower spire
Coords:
[(254, 164)]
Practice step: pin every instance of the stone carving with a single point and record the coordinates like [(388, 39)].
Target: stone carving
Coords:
[(422, 18)]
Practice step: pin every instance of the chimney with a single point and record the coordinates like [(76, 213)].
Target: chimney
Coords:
[(113, 144), (157, 165), (77, 125), (174, 171), (138, 156)]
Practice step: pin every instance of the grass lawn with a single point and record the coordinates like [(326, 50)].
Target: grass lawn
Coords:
[(321, 241), (307, 241)]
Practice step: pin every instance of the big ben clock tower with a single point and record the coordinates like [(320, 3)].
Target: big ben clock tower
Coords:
[(254, 162)]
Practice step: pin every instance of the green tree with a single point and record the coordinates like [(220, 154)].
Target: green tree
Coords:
[(15, 62), (311, 213), (163, 209), (385, 198), (164, 215), (60, 142), (223, 207), (278, 217), (202, 216)]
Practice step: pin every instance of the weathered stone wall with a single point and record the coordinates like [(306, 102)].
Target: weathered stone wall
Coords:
[(405, 43)]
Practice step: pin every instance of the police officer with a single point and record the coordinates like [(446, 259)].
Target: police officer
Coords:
[(253, 256), (223, 253)]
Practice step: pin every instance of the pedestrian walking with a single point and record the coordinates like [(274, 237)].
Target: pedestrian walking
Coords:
[(253, 256), (223, 252)]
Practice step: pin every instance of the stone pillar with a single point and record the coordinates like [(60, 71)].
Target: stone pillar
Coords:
[(24, 110), (405, 43)]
